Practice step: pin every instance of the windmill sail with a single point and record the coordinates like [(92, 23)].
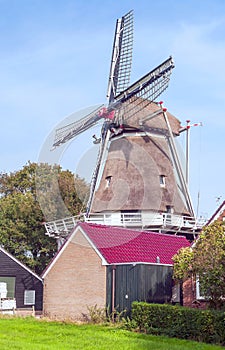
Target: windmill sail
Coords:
[(145, 90), (119, 76), (68, 132)]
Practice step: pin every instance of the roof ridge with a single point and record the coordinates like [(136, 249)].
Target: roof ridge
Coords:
[(90, 224)]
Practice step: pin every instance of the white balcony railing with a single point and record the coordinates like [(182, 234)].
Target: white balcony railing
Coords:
[(140, 220), (61, 226)]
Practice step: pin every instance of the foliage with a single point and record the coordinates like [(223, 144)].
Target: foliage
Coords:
[(176, 321), (209, 262), (97, 314), (22, 232), (206, 259), (22, 200), (183, 263), (102, 315), (57, 192), (33, 334)]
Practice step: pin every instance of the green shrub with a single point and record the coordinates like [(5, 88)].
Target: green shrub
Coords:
[(97, 314), (102, 315), (180, 322)]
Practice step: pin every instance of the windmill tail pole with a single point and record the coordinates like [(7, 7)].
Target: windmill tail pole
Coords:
[(187, 150), (187, 129), (177, 162)]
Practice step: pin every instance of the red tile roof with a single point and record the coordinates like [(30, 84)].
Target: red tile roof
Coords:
[(120, 245)]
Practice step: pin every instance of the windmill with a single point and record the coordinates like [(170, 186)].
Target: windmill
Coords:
[(138, 180)]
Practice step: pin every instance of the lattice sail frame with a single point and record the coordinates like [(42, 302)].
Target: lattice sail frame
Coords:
[(68, 132), (120, 69), (144, 91)]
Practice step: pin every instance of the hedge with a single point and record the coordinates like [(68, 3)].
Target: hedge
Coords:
[(177, 321)]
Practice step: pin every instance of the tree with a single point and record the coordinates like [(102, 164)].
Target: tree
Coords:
[(57, 192), (205, 260), (22, 232), (183, 262), (23, 195)]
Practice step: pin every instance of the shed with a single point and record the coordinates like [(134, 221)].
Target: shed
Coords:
[(109, 267), (20, 287)]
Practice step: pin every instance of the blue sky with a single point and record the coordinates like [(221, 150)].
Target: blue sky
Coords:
[(55, 58)]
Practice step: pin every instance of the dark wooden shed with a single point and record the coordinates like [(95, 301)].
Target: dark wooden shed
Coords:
[(20, 287), (138, 282)]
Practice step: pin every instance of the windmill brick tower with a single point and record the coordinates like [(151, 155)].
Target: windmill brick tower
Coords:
[(138, 180)]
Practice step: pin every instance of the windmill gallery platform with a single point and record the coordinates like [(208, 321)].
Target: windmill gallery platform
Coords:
[(154, 221)]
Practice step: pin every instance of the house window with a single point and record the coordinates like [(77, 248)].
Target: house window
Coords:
[(7, 287), (162, 180), (199, 294), (176, 293), (29, 297), (108, 181)]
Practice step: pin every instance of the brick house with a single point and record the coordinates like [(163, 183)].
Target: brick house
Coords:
[(191, 290), (109, 266)]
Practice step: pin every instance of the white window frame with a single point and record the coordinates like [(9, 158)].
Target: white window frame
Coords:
[(198, 292), (29, 297)]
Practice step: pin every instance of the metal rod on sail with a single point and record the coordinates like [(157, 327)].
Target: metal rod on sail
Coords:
[(111, 87), (102, 151)]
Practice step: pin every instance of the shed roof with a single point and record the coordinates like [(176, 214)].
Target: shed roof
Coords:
[(120, 245), (10, 256)]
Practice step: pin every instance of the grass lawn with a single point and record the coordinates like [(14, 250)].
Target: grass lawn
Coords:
[(32, 334)]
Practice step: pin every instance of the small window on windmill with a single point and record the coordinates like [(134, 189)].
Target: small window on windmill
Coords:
[(162, 180), (108, 181), (169, 209), (29, 297)]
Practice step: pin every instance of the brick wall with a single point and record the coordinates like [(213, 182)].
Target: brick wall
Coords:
[(189, 295), (189, 292), (76, 280)]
